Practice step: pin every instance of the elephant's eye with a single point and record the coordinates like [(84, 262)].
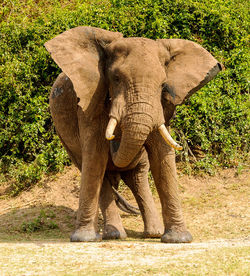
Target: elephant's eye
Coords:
[(164, 88), (116, 78), (167, 61)]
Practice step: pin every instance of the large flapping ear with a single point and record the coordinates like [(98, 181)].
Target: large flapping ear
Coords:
[(190, 68), (78, 52)]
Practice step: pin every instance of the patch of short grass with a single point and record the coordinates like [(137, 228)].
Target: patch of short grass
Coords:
[(37, 223), (120, 258)]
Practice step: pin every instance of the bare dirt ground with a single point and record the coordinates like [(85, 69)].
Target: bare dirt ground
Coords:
[(216, 211)]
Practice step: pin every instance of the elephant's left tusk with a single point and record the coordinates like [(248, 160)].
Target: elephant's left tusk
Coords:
[(111, 128), (167, 137)]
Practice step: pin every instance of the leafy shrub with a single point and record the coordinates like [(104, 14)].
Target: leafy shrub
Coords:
[(215, 119), (42, 222)]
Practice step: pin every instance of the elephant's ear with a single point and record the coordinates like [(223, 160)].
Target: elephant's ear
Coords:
[(79, 54), (190, 68)]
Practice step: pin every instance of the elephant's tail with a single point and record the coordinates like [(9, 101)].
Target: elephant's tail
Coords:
[(122, 203)]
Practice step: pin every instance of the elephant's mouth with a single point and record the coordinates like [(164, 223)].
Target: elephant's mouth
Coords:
[(162, 129), (114, 146)]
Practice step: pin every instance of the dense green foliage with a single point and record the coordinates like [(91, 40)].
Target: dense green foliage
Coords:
[(214, 119)]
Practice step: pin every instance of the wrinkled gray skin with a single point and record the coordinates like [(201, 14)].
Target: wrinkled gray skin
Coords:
[(138, 82)]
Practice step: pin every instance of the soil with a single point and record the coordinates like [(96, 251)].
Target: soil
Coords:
[(216, 211)]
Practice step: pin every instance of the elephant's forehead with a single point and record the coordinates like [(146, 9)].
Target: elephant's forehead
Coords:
[(138, 40), (135, 44)]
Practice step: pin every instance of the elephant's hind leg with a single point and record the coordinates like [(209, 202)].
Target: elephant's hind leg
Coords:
[(113, 228)]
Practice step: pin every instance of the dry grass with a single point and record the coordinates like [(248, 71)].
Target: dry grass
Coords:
[(124, 258), (216, 211)]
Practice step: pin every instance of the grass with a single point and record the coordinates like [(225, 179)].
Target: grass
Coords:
[(36, 223), (122, 258)]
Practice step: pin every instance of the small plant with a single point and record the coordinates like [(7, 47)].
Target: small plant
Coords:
[(42, 222)]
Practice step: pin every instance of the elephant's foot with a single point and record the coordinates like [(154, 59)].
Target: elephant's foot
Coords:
[(153, 232), (110, 232), (83, 235), (175, 236)]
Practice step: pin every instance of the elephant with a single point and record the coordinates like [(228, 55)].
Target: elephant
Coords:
[(63, 108), (126, 91)]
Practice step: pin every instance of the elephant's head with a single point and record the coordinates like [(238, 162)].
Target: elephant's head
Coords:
[(145, 79)]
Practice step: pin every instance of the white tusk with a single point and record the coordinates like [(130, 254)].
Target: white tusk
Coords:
[(167, 137), (111, 128)]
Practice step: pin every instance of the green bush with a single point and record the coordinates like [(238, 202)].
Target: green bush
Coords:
[(42, 222), (215, 118)]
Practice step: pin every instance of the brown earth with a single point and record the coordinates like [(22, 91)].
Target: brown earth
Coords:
[(214, 207), (216, 211)]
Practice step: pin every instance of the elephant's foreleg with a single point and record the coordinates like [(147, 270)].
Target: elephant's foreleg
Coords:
[(113, 228), (94, 160), (163, 167), (137, 180)]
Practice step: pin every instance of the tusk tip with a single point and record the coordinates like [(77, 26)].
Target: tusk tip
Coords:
[(178, 147), (167, 137), (110, 137)]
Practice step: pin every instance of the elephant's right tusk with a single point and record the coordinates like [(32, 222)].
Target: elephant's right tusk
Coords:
[(111, 128), (167, 137)]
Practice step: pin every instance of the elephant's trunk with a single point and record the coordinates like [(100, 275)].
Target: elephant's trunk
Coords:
[(136, 126), (143, 112)]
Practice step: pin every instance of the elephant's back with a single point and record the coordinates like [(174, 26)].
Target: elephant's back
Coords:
[(63, 96), (63, 108)]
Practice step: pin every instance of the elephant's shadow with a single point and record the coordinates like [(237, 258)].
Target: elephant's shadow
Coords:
[(45, 222)]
